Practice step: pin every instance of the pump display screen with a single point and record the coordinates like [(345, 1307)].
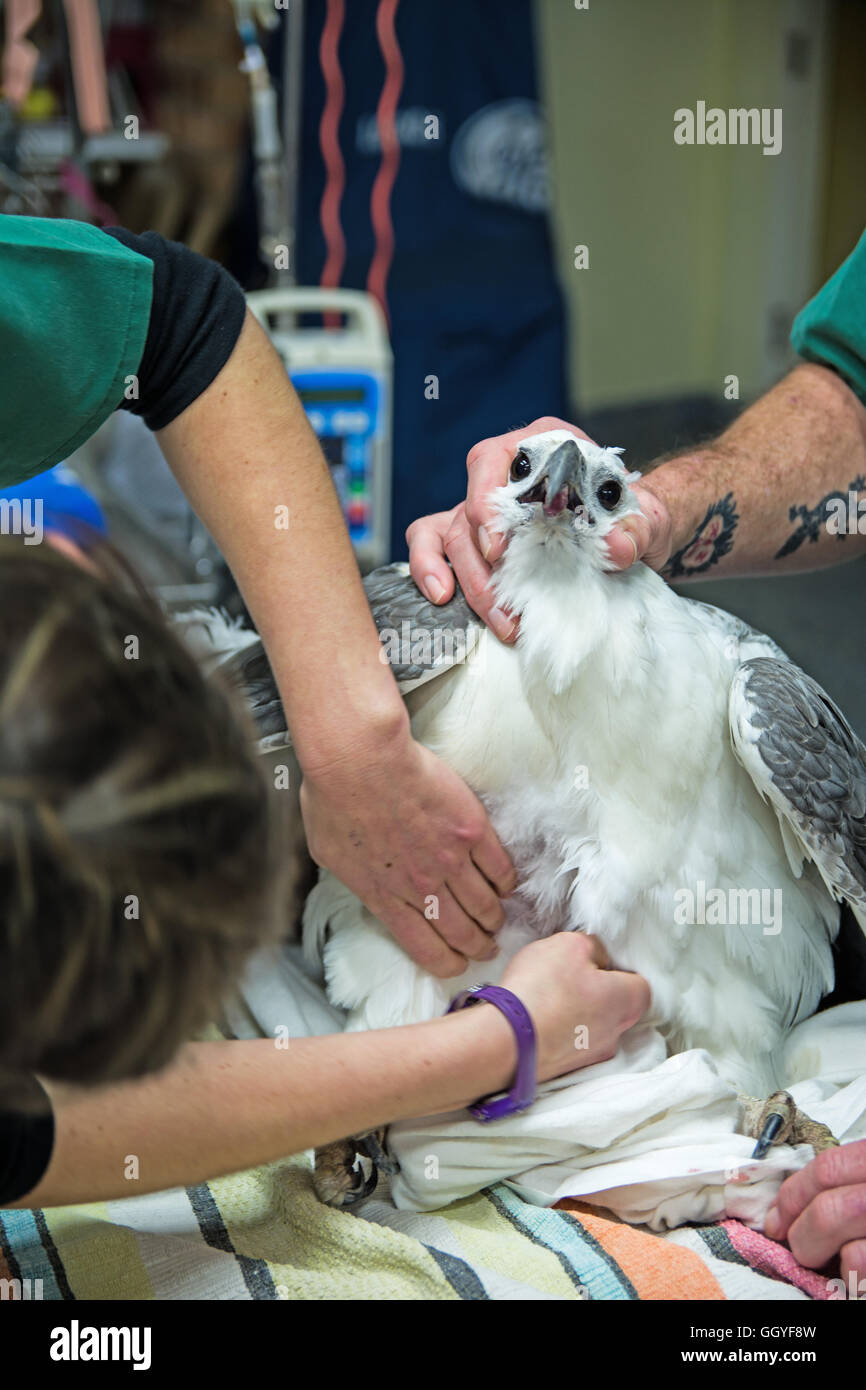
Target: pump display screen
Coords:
[(342, 408), (332, 395)]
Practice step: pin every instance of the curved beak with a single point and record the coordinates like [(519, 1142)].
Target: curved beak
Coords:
[(562, 470)]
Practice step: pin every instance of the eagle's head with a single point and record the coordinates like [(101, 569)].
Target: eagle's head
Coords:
[(566, 493)]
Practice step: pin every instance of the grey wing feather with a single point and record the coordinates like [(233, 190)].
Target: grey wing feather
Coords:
[(419, 639), (250, 673), (803, 755)]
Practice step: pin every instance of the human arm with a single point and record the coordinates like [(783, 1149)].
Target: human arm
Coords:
[(783, 489), (225, 1106), (757, 500), (392, 821), (754, 501), (167, 335)]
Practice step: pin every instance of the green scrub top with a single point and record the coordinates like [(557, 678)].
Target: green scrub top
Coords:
[(74, 313), (831, 330)]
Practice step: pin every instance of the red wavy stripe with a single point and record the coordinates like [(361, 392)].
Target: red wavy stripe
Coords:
[(386, 111), (329, 143)]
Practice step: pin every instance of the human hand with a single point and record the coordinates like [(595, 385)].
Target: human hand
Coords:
[(466, 534), (566, 983), (406, 834), (821, 1210)]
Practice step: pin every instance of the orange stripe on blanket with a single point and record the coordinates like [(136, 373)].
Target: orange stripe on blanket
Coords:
[(657, 1269)]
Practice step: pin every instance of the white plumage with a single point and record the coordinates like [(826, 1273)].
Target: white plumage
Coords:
[(600, 745)]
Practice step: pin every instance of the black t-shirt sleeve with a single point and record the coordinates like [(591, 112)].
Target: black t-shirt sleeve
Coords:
[(26, 1144), (197, 312)]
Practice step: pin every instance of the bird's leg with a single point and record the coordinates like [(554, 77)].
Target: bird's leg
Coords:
[(339, 1179), (777, 1120)]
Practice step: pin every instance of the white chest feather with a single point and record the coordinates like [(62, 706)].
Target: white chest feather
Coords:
[(600, 748)]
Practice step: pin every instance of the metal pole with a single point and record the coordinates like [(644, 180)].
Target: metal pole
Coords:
[(293, 67)]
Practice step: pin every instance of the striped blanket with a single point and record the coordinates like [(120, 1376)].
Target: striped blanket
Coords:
[(263, 1235)]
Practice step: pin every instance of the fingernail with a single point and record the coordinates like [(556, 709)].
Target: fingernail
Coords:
[(501, 623), (484, 541), (772, 1224), (433, 589)]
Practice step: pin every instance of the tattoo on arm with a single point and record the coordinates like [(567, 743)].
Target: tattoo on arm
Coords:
[(712, 540), (812, 520)]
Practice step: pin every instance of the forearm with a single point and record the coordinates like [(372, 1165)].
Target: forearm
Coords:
[(758, 499), (252, 468), (226, 1106)]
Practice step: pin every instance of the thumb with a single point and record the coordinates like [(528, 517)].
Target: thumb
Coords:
[(629, 541), (645, 535)]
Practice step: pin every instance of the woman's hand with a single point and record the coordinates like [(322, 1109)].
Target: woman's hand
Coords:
[(467, 537), (406, 834), (821, 1211), (580, 1007)]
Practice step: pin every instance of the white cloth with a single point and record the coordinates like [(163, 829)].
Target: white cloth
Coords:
[(279, 996), (650, 1137)]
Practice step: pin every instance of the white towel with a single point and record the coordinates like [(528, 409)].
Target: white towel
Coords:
[(650, 1137)]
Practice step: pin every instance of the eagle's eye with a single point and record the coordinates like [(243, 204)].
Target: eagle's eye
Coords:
[(520, 468), (609, 494)]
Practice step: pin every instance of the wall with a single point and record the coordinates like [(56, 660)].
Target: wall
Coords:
[(698, 256)]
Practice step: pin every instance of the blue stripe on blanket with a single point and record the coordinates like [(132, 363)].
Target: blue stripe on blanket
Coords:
[(26, 1252), (589, 1267)]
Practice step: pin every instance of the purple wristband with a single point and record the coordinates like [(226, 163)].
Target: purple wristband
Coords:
[(522, 1093)]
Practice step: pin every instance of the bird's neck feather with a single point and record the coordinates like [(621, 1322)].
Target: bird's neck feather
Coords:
[(575, 618)]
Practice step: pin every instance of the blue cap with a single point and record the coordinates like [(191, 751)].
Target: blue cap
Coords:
[(66, 505)]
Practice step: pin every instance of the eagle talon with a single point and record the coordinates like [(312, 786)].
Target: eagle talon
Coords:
[(779, 1121), (372, 1145), (339, 1178), (366, 1186), (772, 1125)]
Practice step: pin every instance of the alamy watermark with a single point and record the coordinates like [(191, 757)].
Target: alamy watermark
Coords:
[(846, 516), (20, 1290), (22, 516), (738, 125), (428, 648), (721, 907)]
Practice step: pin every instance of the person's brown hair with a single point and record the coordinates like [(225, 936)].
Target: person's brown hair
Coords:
[(138, 853)]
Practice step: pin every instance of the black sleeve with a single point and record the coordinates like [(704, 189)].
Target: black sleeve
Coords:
[(26, 1143), (196, 315)]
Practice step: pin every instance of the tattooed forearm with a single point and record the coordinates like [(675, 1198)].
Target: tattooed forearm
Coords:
[(712, 540), (812, 520)]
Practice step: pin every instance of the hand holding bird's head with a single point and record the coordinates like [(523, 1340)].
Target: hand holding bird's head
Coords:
[(568, 491)]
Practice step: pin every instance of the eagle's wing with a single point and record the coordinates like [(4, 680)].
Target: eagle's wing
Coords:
[(420, 640), (802, 755), (428, 638), (224, 645)]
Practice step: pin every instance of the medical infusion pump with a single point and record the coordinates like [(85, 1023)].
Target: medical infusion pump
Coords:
[(341, 367)]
